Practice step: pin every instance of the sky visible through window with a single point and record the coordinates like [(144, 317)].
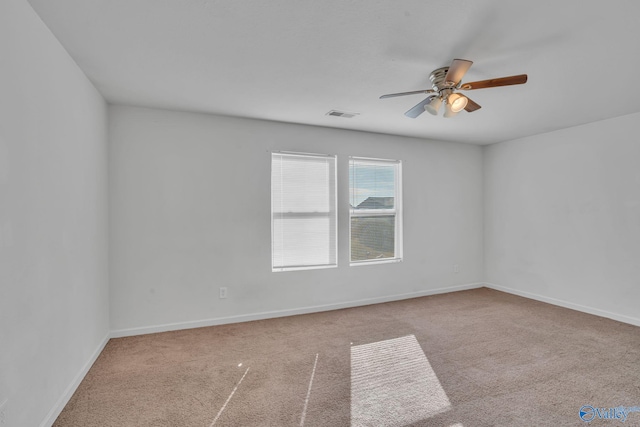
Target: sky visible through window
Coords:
[(370, 180)]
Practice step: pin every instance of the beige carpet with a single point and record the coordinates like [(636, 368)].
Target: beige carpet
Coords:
[(470, 358)]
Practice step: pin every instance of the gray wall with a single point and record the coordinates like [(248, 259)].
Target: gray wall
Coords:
[(562, 216), (190, 212), (53, 220)]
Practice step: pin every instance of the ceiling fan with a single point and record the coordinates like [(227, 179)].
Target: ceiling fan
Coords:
[(445, 83)]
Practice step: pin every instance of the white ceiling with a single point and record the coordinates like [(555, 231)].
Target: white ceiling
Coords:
[(294, 60)]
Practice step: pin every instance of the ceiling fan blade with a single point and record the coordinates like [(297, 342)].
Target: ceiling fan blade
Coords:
[(415, 92), (457, 70), (471, 106), (419, 108), (502, 81)]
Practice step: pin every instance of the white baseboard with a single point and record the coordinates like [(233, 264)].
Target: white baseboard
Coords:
[(66, 396), (283, 313), (566, 304)]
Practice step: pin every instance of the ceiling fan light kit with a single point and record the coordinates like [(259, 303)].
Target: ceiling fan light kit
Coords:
[(445, 82), (448, 112), (457, 102), (434, 106)]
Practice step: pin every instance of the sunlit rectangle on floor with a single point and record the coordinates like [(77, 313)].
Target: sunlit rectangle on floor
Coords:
[(393, 384)]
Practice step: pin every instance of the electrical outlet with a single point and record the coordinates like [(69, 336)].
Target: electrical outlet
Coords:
[(456, 268), (3, 418), (223, 292)]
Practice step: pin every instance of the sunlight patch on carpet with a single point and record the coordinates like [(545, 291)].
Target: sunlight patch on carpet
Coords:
[(228, 399), (393, 384), (306, 401)]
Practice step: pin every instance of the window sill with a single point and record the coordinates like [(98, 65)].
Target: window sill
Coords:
[(313, 267), (373, 262)]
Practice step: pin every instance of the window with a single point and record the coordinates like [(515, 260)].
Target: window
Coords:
[(375, 210), (303, 211)]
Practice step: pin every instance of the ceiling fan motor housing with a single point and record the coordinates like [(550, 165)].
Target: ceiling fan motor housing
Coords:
[(438, 82)]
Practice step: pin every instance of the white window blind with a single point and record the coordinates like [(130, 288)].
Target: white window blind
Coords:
[(375, 210), (303, 211)]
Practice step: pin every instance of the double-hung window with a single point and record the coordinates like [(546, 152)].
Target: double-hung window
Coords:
[(303, 211), (375, 210)]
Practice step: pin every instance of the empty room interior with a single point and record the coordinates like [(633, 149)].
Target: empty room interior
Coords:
[(245, 213)]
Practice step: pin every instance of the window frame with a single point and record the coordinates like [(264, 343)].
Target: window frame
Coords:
[(332, 215), (396, 211)]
